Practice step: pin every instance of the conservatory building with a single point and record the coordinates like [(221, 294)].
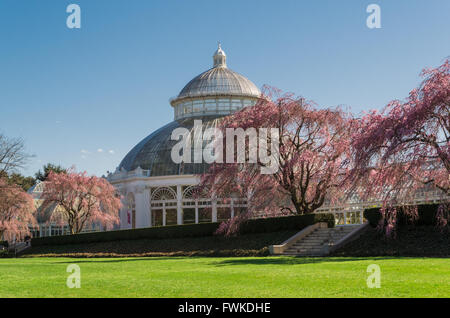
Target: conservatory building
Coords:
[(157, 191)]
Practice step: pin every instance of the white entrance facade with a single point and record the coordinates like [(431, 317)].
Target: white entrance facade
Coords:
[(168, 200)]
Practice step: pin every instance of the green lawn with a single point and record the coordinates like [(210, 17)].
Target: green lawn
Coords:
[(225, 277)]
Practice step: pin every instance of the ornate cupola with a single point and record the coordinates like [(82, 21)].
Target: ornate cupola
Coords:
[(217, 92), (220, 58)]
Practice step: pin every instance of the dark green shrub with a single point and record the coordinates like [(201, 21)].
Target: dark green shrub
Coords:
[(426, 212), (297, 222), (188, 230), (172, 231), (373, 216), (4, 248)]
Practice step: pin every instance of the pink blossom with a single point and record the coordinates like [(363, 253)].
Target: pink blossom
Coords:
[(82, 200), (16, 211)]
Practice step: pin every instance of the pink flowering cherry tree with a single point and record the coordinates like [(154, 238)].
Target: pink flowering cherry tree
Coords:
[(81, 199), (314, 159), (406, 147), (16, 211)]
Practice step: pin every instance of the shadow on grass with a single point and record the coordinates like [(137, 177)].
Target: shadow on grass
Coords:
[(295, 260), (230, 261)]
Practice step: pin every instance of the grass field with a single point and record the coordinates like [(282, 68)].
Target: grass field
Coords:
[(225, 277)]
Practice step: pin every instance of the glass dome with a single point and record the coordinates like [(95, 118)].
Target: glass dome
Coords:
[(218, 91), (209, 96), (153, 153), (217, 81)]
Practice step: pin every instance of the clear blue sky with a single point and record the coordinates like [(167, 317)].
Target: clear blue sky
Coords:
[(70, 92)]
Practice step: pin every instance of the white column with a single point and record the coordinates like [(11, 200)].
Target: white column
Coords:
[(196, 211), (150, 216), (179, 205), (141, 197), (164, 213), (232, 208), (123, 213), (139, 202), (214, 210), (146, 212), (150, 210)]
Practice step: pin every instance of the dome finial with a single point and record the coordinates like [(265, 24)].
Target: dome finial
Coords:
[(219, 58)]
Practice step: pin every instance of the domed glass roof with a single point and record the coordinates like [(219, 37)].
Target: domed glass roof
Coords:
[(153, 153), (219, 80)]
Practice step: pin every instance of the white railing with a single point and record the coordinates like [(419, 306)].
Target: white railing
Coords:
[(123, 174), (352, 213), (44, 230)]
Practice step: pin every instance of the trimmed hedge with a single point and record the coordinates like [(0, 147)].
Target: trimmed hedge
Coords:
[(298, 222), (285, 223), (158, 232), (242, 245), (427, 215), (4, 248), (410, 241)]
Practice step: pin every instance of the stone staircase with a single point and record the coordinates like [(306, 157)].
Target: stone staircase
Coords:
[(319, 241), (19, 247)]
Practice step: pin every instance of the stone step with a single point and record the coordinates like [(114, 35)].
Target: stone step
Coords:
[(312, 241), (318, 252), (325, 234), (298, 250), (315, 240), (318, 242), (311, 245), (322, 236), (328, 234), (308, 248), (304, 254), (339, 232)]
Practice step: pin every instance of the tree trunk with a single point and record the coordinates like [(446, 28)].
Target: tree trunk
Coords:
[(71, 228), (301, 208)]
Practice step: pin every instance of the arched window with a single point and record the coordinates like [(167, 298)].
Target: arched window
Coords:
[(189, 192), (190, 211), (163, 193), (163, 202)]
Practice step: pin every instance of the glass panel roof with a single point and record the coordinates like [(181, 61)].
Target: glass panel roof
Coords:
[(219, 80), (154, 152)]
